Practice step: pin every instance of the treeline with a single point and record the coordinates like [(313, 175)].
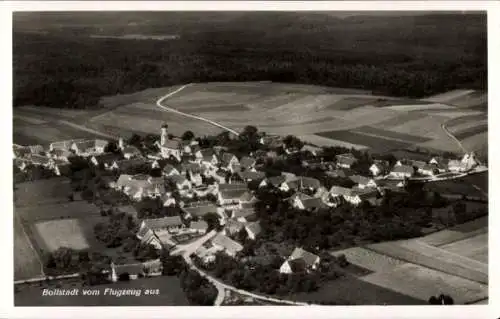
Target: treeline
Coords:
[(67, 71)]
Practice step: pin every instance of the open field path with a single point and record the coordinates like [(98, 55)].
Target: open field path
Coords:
[(169, 109), (84, 128)]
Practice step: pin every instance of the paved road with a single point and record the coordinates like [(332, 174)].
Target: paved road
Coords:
[(169, 109)]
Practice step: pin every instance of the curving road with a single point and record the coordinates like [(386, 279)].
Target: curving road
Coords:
[(169, 109)]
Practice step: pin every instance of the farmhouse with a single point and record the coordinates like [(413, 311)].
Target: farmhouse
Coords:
[(244, 215), (106, 160), (248, 176), (130, 152), (309, 203), (170, 170), (315, 151), (230, 198), (147, 236), (232, 227), (128, 164), (168, 200), (130, 271), (300, 183), (87, 148), (379, 167), (181, 182), (227, 245), (199, 209), (427, 169), (199, 226), (63, 145), (300, 261), (345, 160), (247, 163), (206, 156), (169, 223), (274, 181), (253, 230), (402, 171), (228, 161), (362, 181)]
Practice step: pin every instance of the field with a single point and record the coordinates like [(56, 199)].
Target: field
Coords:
[(71, 233), (452, 261), (41, 192), (26, 261), (355, 118), (170, 294)]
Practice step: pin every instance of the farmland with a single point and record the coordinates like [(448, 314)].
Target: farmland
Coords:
[(26, 262)]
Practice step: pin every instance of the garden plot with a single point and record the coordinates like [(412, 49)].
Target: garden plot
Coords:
[(69, 233), (421, 283)]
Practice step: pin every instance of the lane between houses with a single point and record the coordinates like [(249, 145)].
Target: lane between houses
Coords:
[(169, 109)]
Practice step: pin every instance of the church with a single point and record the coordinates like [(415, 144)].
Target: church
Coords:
[(170, 147)]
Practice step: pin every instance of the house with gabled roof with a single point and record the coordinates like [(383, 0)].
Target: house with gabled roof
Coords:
[(247, 162), (233, 226), (207, 156), (228, 161), (342, 173), (170, 170), (248, 176), (227, 245), (314, 150), (130, 270), (313, 203), (428, 170), (345, 160), (106, 160), (127, 164), (180, 181), (300, 261), (402, 171), (200, 226), (244, 215), (64, 145), (148, 237), (171, 224), (87, 148), (199, 209), (131, 152), (379, 167), (274, 181), (296, 199), (363, 181), (230, 198), (300, 183), (253, 230), (61, 154), (168, 200)]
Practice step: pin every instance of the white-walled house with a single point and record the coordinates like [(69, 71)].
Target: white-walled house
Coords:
[(300, 261)]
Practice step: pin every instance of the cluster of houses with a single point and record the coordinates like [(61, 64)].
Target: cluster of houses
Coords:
[(215, 181)]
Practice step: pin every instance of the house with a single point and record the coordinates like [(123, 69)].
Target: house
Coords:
[(39, 160), (130, 271), (379, 167), (311, 204), (248, 197), (362, 181), (314, 150), (228, 161), (168, 200), (139, 186), (439, 163), (402, 171), (207, 156), (357, 196), (199, 226), (21, 151), (170, 170), (158, 163), (230, 198), (300, 183), (105, 160), (300, 261), (235, 186), (247, 163), (128, 164), (244, 215), (233, 226), (199, 209), (181, 182), (274, 181), (248, 176), (131, 152), (21, 163), (148, 237), (153, 267), (220, 176), (253, 230), (61, 167), (226, 244), (342, 173), (89, 147), (428, 170), (62, 154), (169, 223), (63, 145), (170, 148), (296, 199), (194, 171), (338, 191), (345, 160)]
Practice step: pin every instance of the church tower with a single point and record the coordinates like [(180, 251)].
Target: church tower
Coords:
[(164, 134)]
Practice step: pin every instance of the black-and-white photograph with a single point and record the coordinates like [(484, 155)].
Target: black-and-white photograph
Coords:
[(223, 158)]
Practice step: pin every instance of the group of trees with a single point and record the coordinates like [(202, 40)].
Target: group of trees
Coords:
[(116, 230), (398, 216), (356, 54), (68, 260)]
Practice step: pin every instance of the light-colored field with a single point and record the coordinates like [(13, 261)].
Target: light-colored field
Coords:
[(420, 282), (323, 141), (55, 234), (465, 126), (457, 233), (26, 260), (448, 96), (477, 143), (29, 119), (369, 259), (420, 107), (470, 247), (434, 258)]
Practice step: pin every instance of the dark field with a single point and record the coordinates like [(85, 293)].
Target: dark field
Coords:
[(171, 294), (377, 144), (465, 119), (471, 131), (401, 119), (390, 134)]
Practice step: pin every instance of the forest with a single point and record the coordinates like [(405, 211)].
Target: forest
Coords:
[(60, 65)]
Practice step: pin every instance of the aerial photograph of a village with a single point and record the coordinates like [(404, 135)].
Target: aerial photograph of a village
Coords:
[(250, 158)]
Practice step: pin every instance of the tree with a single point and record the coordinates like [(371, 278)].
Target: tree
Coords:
[(212, 220), (111, 147), (292, 142), (187, 136)]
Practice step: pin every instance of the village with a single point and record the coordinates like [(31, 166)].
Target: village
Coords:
[(210, 194)]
